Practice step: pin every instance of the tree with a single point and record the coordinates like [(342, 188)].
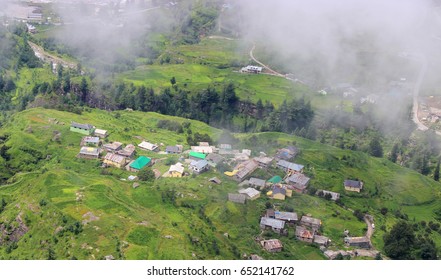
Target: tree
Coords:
[(436, 173), (84, 90), (400, 241), (394, 153), (146, 174), (375, 148), (173, 81)]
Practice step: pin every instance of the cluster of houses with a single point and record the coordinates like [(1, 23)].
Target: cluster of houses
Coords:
[(114, 153), (204, 156), (306, 228)]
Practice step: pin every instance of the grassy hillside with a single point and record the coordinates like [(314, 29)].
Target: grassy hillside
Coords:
[(62, 207), (212, 62)]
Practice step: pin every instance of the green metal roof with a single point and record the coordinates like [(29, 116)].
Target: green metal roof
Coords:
[(197, 155), (275, 180), (140, 162)]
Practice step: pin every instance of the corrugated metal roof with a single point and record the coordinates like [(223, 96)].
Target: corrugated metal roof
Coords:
[(140, 162), (270, 222)]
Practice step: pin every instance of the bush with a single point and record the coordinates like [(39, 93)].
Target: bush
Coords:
[(146, 174)]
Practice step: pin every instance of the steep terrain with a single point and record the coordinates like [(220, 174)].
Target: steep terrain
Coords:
[(59, 206)]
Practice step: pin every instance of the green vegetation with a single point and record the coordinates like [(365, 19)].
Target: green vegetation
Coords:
[(65, 202)]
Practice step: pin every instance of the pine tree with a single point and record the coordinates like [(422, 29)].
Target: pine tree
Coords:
[(375, 148), (394, 153), (436, 173)]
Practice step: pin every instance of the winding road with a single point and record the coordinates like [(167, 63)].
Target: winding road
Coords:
[(263, 65)]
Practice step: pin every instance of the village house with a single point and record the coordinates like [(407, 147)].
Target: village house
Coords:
[(244, 169), (196, 156), (86, 129), (275, 225), (287, 153), (177, 149), (321, 240), (288, 217), (199, 166), (275, 180), (214, 159), (311, 222), (241, 157), (139, 163), (270, 213), (250, 193), (204, 144), (255, 182), (128, 151), (264, 162), (298, 181), (251, 69), (147, 146), (353, 186), (114, 160), (272, 245), (289, 167), (90, 141), (202, 149), (334, 196), (304, 234), (277, 193), (237, 198), (176, 170), (362, 242), (101, 133), (226, 147), (112, 147), (89, 153)]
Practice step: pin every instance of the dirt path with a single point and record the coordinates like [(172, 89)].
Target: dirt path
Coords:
[(416, 92), (264, 65), (47, 57)]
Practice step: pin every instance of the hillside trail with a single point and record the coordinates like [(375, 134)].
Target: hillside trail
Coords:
[(273, 72)]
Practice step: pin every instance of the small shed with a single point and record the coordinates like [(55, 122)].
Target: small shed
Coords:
[(251, 193), (237, 198), (272, 245)]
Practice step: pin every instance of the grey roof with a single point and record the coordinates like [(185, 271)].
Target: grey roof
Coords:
[(235, 197), (250, 192), (334, 195), (355, 240), (277, 190), (214, 158), (91, 139), (290, 165), (270, 222), (89, 151), (264, 160), (353, 184), (320, 239), (127, 151), (247, 169), (288, 216), (113, 146), (298, 179), (200, 164), (311, 220), (257, 182), (81, 126), (172, 149), (225, 146)]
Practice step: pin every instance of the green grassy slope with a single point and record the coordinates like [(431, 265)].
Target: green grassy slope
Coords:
[(214, 61), (54, 194)]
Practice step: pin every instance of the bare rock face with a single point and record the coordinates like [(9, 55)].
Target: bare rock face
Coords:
[(10, 233)]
